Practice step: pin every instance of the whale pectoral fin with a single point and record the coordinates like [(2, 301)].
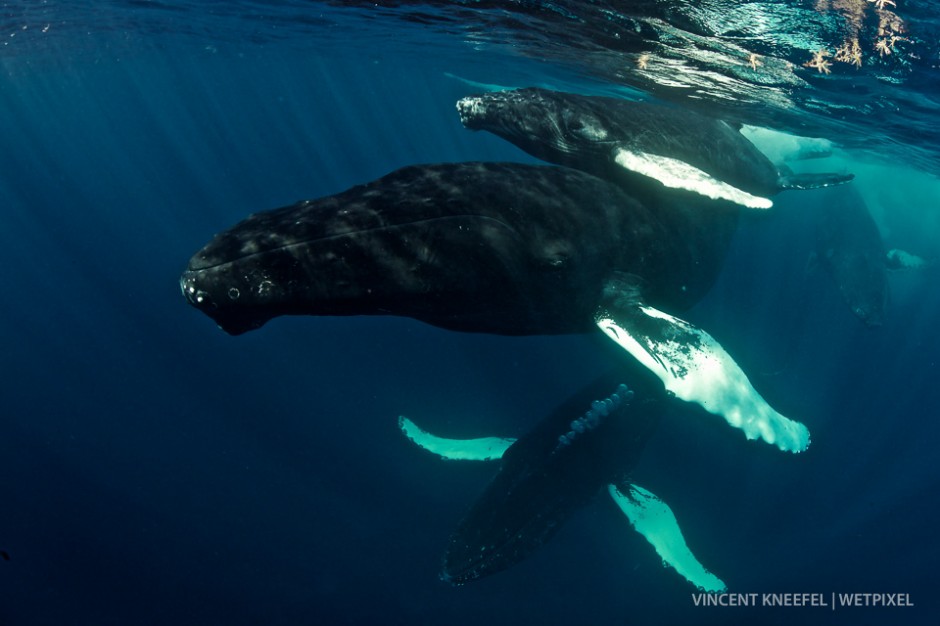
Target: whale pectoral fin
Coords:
[(812, 181), (694, 367), (481, 449), (652, 518), (484, 87), (678, 174), (896, 259)]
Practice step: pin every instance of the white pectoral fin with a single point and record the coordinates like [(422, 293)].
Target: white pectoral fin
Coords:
[(678, 174), (896, 259), (652, 518), (694, 367), (481, 449)]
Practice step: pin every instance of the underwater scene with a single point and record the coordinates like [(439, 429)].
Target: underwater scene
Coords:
[(463, 312)]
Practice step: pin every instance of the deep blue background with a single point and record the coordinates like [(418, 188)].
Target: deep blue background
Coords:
[(154, 470)]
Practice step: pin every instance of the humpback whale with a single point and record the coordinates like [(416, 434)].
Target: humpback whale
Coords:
[(637, 142), (483, 247), (497, 248), (588, 444), (850, 248)]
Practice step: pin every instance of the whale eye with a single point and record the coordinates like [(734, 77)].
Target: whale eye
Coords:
[(573, 124), (586, 127), (556, 254)]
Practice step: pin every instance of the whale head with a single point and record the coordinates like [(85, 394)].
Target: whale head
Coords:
[(328, 258), (547, 124), (482, 247)]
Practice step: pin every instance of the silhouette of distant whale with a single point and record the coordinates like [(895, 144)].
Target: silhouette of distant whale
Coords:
[(849, 246)]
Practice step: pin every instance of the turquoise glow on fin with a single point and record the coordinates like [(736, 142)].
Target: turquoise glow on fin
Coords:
[(481, 449), (652, 518), (694, 366)]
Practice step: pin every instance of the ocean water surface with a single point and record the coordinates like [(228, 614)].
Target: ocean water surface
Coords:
[(154, 470)]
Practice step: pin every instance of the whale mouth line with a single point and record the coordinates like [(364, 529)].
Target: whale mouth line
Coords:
[(194, 266)]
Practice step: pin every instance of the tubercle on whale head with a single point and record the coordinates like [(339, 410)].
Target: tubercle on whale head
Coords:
[(332, 277), (519, 113), (268, 265), (471, 110), (541, 122), (236, 304), (236, 296)]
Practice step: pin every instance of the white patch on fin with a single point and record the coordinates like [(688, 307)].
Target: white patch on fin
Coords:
[(678, 174), (652, 518), (695, 367), (482, 449), (896, 259)]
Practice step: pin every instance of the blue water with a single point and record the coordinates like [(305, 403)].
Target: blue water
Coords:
[(154, 470)]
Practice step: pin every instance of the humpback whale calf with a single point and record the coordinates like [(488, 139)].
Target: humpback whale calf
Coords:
[(497, 248), (589, 444), (638, 142)]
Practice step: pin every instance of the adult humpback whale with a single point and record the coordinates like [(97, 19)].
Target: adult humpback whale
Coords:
[(498, 248), (849, 246), (636, 141), (588, 444)]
